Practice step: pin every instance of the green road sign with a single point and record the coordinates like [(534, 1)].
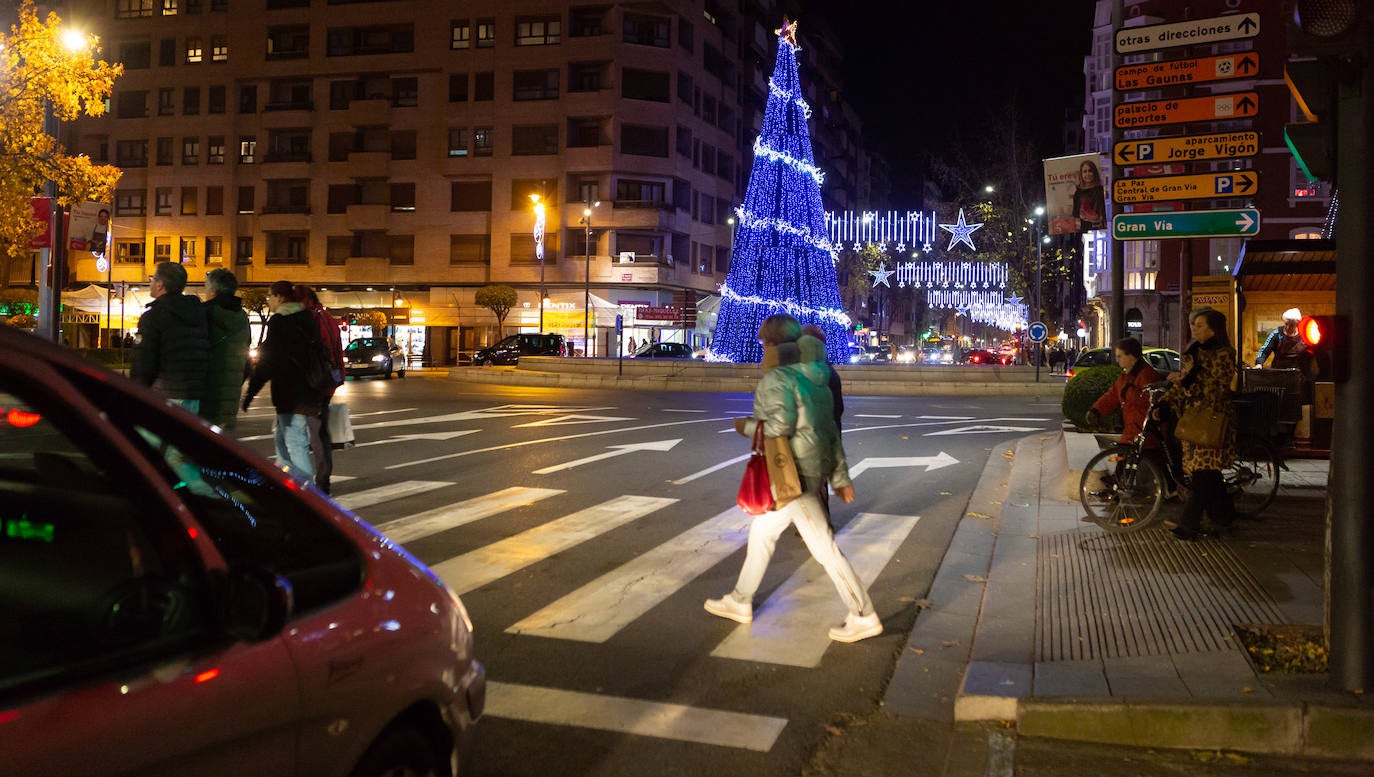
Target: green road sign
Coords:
[(1195, 223)]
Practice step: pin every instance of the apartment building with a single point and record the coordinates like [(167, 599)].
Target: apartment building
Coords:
[(390, 153)]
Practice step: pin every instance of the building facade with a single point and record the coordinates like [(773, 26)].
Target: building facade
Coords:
[(393, 153)]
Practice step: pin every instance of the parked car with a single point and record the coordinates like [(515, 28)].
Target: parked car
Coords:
[(663, 351), (1163, 360), (176, 604), (373, 356), (867, 354), (510, 349), (983, 356)]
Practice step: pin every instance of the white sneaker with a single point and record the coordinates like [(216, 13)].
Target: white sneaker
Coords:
[(729, 607), (857, 627)]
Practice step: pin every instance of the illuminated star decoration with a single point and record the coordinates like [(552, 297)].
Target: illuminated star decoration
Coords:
[(1013, 299), (960, 232), (881, 275), (788, 31)]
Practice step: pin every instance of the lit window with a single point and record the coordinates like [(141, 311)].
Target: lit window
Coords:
[(195, 51)]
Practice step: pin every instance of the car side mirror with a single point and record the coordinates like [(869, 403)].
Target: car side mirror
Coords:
[(257, 604)]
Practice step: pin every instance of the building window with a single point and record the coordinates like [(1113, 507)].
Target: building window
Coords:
[(402, 198), (131, 153), (641, 140), (133, 9), (586, 22), (460, 34), (486, 33), (645, 85), (195, 51), (190, 101), (215, 104), (684, 35), (484, 87), (588, 190), (219, 48), (130, 252), (684, 87), (288, 145), (248, 99), (458, 87), (169, 7), (214, 200), (162, 201), (288, 42), (243, 250), (537, 31), (190, 151), (630, 193), (189, 200), (162, 249), (247, 199), (482, 141), (214, 250), (536, 85), (646, 30), (164, 151), (458, 139), (165, 102), (214, 150), (469, 249), (584, 132), (167, 52), (287, 195), (188, 249), (400, 249), (534, 140), (337, 249), (684, 141), (358, 41), (136, 55), (470, 197), (586, 76), (522, 248), (287, 248), (405, 92), (290, 94), (248, 150), (132, 105), (403, 144), (131, 202)]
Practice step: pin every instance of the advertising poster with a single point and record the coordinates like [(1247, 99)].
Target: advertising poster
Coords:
[(1075, 193), (90, 228)]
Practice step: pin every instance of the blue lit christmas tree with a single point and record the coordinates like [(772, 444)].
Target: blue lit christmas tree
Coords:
[(782, 261)]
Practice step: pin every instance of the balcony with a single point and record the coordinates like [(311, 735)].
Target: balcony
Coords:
[(284, 218), (369, 164), (287, 164), (369, 111), (367, 218), (291, 113)]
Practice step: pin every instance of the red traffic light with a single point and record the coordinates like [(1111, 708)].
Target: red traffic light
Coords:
[(1310, 329)]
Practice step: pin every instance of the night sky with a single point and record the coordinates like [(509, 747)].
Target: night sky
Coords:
[(931, 72)]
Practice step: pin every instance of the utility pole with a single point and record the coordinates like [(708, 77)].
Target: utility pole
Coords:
[(1118, 247), (587, 287)]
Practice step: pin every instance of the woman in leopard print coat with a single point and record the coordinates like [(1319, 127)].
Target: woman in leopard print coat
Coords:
[(1209, 368)]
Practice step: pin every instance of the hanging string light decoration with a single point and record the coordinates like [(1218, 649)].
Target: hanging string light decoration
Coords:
[(783, 260)]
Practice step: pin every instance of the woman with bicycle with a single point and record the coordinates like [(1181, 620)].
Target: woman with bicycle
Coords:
[(1209, 368), (1128, 393)]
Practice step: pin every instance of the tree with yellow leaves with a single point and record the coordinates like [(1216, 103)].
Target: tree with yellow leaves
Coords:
[(44, 70)]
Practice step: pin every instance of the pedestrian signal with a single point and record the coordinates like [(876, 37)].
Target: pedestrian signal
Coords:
[(1324, 336)]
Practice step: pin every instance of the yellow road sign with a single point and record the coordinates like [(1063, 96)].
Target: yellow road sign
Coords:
[(1148, 113), (1181, 72), (1185, 187), (1190, 148)]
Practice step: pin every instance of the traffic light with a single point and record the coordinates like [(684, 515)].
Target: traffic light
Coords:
[(1324, 38), (1325, 340), (1313, 142)]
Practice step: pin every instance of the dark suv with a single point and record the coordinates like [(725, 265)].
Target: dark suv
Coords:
[(509, 350)]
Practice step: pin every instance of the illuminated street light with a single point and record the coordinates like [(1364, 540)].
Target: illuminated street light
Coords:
[(539, 254), (587, 280)]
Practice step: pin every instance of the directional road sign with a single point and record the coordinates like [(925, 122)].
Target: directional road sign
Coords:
[(1185, 72), (1194, 223), (1185, 187), (1219, 107), (1191, 148), (1190, 33), (1037, 332)]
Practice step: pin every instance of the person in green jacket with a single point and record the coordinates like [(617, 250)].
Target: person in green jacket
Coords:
[(229, 342)]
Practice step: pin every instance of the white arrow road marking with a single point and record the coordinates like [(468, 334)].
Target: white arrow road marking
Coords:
[(375, 496), (938, 461), (413, 527), (633, 716), (500, 411), (709, 470), (493, 562), (790, 628), (615, 450), (985, 430), (945, 417), (564, 420), (871, 415), (420, 436)]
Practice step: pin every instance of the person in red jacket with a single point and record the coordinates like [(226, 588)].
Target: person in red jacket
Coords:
[(321, 445), (1128, 393)]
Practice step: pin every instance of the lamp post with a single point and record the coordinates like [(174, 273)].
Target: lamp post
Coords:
[(539, 251), (1039, 257), (587, 280)]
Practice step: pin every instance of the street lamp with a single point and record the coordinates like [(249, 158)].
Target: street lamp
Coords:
[(587, 280), (539, 253), (1039, 261)]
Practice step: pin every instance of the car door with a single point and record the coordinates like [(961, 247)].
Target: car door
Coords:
[(113, 659)]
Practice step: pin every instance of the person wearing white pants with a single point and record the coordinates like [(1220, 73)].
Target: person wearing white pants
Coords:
[(794, 401)]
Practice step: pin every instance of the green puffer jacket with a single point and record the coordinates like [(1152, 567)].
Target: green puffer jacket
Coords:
[(229, 342), (794, 401)]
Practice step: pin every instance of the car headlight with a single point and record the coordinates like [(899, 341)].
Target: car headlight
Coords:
[(854, 359), (379, 358)]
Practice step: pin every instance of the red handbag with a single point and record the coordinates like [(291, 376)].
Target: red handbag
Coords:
[(755, 495)]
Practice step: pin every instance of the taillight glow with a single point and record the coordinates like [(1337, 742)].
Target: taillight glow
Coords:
[(207, 675), (193, 532), (7, 716), (21, 419)]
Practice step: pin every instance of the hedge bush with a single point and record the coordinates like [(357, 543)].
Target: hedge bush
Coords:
[(1083, 389)]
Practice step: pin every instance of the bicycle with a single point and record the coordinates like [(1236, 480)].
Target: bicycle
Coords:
[(1124, 486)]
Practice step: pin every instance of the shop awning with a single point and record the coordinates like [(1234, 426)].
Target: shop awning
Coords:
[(1287, 265)]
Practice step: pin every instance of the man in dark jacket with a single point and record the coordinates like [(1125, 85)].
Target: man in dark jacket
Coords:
[(292, 337), (174, 345), (229, 341)]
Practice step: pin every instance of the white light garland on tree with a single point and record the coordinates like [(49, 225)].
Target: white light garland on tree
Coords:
[(786, 306), (786, 95), (762, 149), (751, 220)]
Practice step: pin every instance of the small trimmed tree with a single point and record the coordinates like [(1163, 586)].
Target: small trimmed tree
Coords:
[(372, 318), (499, 300), (256, 301)]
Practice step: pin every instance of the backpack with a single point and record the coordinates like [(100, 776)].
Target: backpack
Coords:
[(320, 376)]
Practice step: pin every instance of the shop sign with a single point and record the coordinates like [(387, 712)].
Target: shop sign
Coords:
[(665, 313)]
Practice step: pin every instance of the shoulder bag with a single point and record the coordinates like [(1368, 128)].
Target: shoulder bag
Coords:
[(1203, 426), (755, 495)]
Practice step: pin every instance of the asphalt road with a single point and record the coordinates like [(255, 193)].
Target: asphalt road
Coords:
[(585, 528)]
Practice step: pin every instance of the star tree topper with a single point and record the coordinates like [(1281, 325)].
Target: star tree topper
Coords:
[(960, 232), (788, 30)]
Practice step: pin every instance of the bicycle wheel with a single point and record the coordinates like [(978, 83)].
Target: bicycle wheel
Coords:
[(1120, 498), (1252, 478)]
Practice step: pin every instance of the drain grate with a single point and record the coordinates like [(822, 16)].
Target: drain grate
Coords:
[(1143, 594)]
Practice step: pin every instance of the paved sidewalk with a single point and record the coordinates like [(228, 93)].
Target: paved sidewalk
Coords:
[(1073, 633)]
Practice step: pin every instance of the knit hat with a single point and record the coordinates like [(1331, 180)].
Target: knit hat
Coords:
[(812, 349), (172, 275)]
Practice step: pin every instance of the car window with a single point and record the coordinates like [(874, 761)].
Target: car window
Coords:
[(93, 577), (251, 518), (508, 342)]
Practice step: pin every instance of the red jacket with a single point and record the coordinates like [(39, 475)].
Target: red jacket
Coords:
[(333, 341), (1128, 393)]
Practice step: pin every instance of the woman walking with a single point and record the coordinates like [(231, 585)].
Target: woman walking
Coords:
[(793, 401), (1209, 367)]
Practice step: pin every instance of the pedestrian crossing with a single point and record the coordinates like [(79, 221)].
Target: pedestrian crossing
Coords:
[(790, 626)]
